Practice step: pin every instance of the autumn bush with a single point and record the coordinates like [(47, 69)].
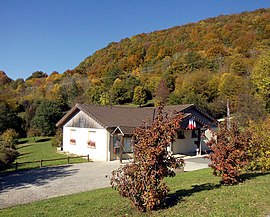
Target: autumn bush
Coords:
[(229, 153), (8, 152), (10, 137), (142, 180), (7, 155), (57, 139)]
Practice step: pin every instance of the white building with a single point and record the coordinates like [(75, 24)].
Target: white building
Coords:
[(105, 132)]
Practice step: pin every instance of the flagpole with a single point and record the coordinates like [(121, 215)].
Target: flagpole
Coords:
[(228, 115)]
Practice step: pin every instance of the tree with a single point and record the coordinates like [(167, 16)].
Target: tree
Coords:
[(8, 118), (229, 153), (18, 82), (37, 74), (33, 132), (142, 180), (199, 87), (111, 75), (93, 94), (104, 99), (260, 77), (46, 116), (259, 148), (193, 60), (238, 68), (139, 96), (130, 82), (73, 92), (249, 108), (4, 79), (169, 78), (120, 93), (230, 87), (162, 92)]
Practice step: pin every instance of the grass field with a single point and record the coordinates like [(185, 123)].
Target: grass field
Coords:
[(195, 193), (41, 149)]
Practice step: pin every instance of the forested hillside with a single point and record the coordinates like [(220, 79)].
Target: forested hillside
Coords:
[(205, 63)]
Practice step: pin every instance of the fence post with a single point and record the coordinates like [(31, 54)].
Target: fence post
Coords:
[(68, 159), (88, 158), (40, 162), (16, 166)]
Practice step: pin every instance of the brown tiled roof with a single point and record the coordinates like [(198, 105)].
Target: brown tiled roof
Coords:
[(113, 116), (126, 117)]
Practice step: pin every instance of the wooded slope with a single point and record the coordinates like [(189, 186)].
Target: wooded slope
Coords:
[(205, 63)]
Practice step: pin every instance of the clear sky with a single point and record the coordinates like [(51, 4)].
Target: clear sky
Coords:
[(56, 35)]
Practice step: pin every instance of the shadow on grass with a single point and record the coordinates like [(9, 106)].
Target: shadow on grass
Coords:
[(22, 142), (43, 140), (248, 176), (174, 198)]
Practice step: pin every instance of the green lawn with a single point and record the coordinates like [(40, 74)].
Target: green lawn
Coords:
[(41, 149), (195, 193)]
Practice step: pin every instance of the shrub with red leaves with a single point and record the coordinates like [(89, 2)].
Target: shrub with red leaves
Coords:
[(229, 153), (142, 180)]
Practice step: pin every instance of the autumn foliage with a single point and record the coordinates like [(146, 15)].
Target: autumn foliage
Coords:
[(201, 63), (229, 153), (8, 153), (259, 148), (142, 180)]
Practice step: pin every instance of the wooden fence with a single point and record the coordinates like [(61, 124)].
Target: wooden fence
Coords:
[(48, 160)]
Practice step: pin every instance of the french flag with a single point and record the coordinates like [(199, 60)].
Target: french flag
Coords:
[(191, 124)]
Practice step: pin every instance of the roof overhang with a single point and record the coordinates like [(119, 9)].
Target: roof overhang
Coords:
[(123, 130), (67, 116)]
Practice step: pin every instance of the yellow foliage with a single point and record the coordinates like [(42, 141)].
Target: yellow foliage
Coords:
[(260, 145)]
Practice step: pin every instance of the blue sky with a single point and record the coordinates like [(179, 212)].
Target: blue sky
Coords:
[(56, 35)]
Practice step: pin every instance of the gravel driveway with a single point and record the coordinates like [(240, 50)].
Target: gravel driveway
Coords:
[(37, 184)]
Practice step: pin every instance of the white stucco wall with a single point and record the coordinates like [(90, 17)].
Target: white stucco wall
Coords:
[(99, 153), (81, 134), (187, 145), (208, 135), (184, 145)]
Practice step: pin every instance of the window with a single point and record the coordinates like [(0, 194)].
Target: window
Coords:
[(72, 139), (128, 145), (194, 134), (180, 134), (116, 144), (91, 142)]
